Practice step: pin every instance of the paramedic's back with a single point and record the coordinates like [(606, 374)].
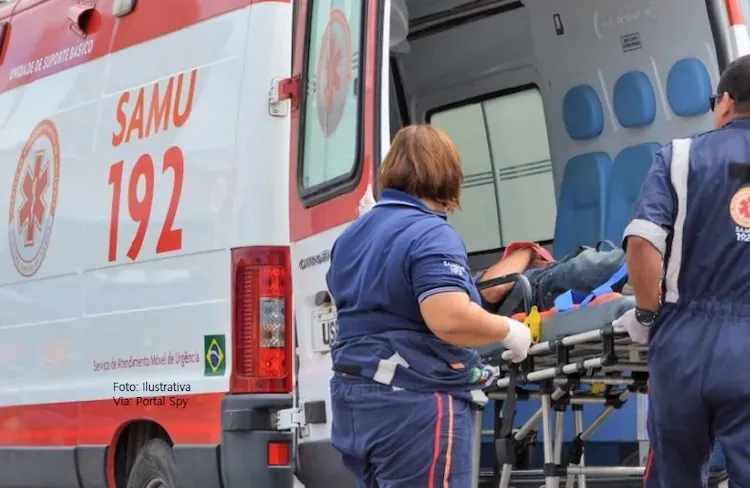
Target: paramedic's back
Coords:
[(378, 290), (407, 312), (694, 213)]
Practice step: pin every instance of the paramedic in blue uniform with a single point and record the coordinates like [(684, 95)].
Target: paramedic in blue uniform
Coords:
[(408, 315), (691, 228)]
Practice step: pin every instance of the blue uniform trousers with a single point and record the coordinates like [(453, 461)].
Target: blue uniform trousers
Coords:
[(401, 439), (699, 359)]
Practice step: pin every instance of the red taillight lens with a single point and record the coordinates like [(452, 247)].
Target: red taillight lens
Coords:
[(262, 320), (278, 454)]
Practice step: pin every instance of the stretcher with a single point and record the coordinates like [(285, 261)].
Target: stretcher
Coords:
[(577, 359)]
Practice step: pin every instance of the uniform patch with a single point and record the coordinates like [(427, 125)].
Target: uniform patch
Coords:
[(334, 72), (33, 199), (739, 210), (456, 269)]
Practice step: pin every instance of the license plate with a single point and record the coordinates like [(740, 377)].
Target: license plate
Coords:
[(324, 328)]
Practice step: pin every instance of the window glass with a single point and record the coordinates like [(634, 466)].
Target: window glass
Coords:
[(508, 193), (332, 105), (478, 220)]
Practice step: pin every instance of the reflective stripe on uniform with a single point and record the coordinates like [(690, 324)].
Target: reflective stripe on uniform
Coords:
[(649, 231), (679, 175), (387, 368)]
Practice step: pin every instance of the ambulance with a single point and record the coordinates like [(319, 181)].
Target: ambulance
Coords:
[(174, 173)]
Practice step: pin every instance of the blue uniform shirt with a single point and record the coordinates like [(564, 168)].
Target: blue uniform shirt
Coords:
[(698, 216), (382, 267)]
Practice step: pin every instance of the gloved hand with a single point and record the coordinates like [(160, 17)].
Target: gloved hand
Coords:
[(518, 340), (628, 323)]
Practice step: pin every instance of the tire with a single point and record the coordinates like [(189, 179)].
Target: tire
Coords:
[(155, 462)]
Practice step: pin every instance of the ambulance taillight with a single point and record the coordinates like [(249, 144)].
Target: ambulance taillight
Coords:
[(262, 320)]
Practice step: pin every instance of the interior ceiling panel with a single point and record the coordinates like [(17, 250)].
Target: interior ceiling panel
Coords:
[(423, 8)]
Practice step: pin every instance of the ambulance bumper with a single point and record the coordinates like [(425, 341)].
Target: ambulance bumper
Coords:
[(242, 457)]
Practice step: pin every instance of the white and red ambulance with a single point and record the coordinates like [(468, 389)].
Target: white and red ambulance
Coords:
[(174, 173)]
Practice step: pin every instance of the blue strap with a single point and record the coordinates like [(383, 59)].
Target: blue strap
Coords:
[(606, 287), (567, 300)]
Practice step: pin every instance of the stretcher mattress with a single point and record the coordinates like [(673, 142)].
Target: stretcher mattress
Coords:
[(555, 325)]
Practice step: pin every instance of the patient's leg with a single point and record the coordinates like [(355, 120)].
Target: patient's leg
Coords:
[(518, 262)]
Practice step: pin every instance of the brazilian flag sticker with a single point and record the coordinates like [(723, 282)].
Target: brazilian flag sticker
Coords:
[(214, 362)]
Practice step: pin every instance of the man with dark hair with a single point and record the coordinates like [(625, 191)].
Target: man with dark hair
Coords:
[(690, 239), (733, 82)]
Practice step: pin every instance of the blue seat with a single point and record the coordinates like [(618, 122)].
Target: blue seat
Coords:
[(689, 88), (634, 100), (582, 113), (581, 209), (628, 173)]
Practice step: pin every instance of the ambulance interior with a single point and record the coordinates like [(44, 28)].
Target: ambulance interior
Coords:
[(557, 107)]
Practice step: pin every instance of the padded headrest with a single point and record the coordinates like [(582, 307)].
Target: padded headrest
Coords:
[(689, 88), (628, 174), (582, 113), (580, 212), (631, 166), (634, 100)]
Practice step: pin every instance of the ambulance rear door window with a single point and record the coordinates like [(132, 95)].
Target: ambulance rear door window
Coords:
[(332, 104)]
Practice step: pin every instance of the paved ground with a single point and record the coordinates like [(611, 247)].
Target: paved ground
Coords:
[(723, 484)]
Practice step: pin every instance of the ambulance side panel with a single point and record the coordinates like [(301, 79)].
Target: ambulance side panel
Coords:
[(128, 177)]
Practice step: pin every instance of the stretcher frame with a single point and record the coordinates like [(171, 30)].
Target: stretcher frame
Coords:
[(562, 369)]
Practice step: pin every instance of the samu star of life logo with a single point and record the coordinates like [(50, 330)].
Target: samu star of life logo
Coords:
[(32, 211), (334, 72), (33, 199)]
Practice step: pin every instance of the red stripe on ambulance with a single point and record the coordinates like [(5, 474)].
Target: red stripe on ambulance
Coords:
[(97, 422), (734, 10), (41, 41)]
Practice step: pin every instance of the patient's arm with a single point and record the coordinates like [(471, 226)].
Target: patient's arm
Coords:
[(518, 262)]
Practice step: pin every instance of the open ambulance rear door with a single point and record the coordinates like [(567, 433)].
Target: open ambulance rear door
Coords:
[(334, 151)]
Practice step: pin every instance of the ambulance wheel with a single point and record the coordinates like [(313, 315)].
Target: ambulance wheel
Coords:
[(155, 467)]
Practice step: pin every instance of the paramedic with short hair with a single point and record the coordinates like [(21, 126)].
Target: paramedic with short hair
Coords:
[(408, 315), (694, 213)]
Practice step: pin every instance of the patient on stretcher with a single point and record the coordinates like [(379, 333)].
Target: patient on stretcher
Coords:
[(591, 278), (583, 271)]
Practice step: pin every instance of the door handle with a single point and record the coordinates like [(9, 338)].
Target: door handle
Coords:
[(80, 15)]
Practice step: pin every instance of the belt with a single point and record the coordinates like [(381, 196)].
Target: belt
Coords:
[(348, 369)]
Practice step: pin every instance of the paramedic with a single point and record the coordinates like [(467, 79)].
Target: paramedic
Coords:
[(694, 213), (408, 314)]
